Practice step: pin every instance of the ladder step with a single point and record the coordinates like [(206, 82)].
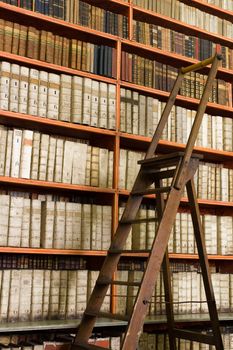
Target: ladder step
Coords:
[(138, 221), (160, 158), (108, 315), (159, 174), (194, 336), (117, 283), (122, 251), (152, 191), (86, 346)]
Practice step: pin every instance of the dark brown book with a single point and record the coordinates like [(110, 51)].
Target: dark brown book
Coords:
[(56, 49), (79, 55), (67, 44), (15, 42), (31, 42), (43, 39), (49, 47), (8, 36), (22, 40), (84, 56), (73, 54), (1, 33), (36, 44), (123, 65)]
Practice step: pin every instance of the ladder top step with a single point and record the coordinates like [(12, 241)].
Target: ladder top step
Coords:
[(87, 346), (163, 157)]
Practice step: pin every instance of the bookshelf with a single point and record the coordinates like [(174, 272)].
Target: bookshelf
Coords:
[(115, 139)]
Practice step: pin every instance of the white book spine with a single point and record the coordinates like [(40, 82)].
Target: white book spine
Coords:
[(37, 294), (26, 154), (111, 106), (94, 103), (44, 149), (53, 96), (54, 294), (26, 223), (33, 92), (43, 94), (86, 226), (13, 312), (5, 76), (106, 226), (23, 89), (103, 106), (35, 223), (80, 163), (69, 225), (87, 83), (63, 294), (16, 151), (8, 152), (59, 226), (77, 103), (14, 88), (69, 148), (47, 224), (51, 158), (35, 155), (59, 160), (5, 294), (15, 221), (81, 291), (3, 149), (76, 226), (46, 294), (25, 295), (71, 295), (4, 218), (65, 98)]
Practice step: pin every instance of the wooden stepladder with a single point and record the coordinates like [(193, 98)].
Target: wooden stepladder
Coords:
[(180, 167)]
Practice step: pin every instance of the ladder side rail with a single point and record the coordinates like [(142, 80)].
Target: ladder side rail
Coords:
[(199, 236), (160, 204), (164, 117), (198, 118)]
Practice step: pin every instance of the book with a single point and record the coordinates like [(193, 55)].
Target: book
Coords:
[(26, 154), (23, 89)]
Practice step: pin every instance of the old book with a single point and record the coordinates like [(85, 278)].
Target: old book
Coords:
[(16, 151), (59, 226), (26, 154), (94, 103), (71, 295), (68, 225), (4, 218), (69, 147), (88, 166), (46, 294), (43, 94), (13, 311), (86, 226), (106, 226), (103, 167), (25, 295), (77, 101), (62, 294), (5, 294), (76, 226), (65, 98), (81, 291), (53, 96), (87, 86), (47, 224), (8, 154), (35, 223), (80, 160), (3, 150), (103, 105), (51, 158), (142, 114), (22, 40), (59, 160), (37, 294), (35, 155), (15, 221), (135, 112), (54, 294), (129, 112), (8, 36), (43, 40), (23, 89), (122, 168), (95, 165), (25, 232), (14, 88), (43, 161), (33, 92), (5, 77), (111, 106), (110, 169)]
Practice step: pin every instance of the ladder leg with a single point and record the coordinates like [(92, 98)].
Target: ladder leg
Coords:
[(166, 276), (152, 271), (204, 263)]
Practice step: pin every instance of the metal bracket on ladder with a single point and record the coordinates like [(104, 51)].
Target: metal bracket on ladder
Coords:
[(182, 167)]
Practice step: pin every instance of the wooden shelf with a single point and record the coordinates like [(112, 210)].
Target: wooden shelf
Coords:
[(50, 67), (52, 186), (210, 8), (142, 143), (144, 15), (103, 253), (95, 135), (182, 101)]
